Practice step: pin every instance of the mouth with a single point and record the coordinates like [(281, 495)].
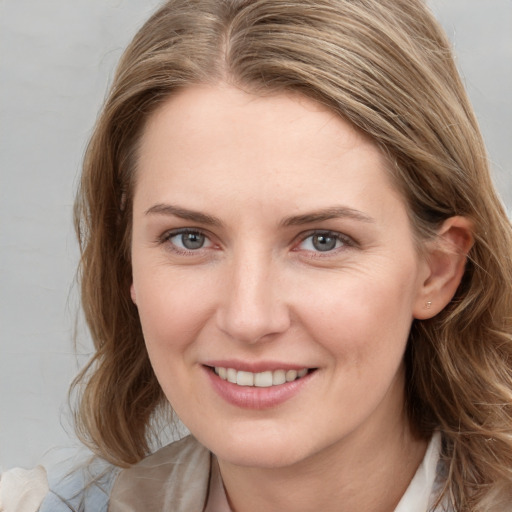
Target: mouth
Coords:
[(268, 385), (263, 379)]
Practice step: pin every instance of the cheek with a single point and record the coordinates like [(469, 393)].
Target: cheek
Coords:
[(362, 316), (172, 308), (170, 316)]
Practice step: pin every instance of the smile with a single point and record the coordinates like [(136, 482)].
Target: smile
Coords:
[(269, 384), (260, 380)]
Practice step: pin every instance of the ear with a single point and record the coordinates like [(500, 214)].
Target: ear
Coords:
[(445, 262), (133, 294)]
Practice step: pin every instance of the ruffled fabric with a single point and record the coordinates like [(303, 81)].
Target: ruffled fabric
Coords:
[(175, 478), (23, 490)]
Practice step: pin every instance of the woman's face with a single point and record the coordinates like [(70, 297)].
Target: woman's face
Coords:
[(269, 243)]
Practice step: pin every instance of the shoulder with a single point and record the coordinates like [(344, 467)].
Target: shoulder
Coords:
[(85, 488), (174, 478)]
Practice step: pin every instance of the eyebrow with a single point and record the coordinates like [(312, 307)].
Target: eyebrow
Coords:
[(334, 212), (184, 213)]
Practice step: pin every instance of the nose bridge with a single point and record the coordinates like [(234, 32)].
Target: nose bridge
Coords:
[(253, 307)]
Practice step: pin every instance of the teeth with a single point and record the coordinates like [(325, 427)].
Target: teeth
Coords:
[(263, 379), (231, 375), (278, 377), (245, 378), (291, 375), (259, 380)]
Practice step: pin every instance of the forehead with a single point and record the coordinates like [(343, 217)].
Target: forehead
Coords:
[(198, 106), (223, 141)]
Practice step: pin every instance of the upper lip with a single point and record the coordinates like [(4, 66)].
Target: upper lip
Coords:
[(255, 366)]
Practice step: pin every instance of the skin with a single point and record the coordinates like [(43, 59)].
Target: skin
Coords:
[(259, 290)]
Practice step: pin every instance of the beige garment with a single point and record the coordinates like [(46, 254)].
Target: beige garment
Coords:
[(23, 490), (174, 479)]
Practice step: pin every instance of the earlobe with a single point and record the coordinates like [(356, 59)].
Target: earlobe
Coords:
[(446, 261), (133, 295)]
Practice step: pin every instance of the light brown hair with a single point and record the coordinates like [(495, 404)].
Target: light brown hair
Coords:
[(387, 67)]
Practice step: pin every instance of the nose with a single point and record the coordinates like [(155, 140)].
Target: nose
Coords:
[(253, 308)]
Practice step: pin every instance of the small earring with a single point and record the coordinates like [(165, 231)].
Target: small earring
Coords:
[(428, 304)]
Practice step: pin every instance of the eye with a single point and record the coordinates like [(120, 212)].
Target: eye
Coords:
[(188, 240), (323, 241)]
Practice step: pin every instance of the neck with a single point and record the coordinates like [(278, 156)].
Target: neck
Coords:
[(367, 471)]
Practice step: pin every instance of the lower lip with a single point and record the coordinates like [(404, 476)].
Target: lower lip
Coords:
[(251, 397)]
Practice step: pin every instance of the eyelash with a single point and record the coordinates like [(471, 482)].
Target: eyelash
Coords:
[(345, 241)]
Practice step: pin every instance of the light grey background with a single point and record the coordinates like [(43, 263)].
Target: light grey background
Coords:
[(56, 59)]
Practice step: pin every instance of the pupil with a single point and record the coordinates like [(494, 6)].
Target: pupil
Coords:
[(324, 242), (192, 240)]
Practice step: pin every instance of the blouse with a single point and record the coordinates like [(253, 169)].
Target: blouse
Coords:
[(181, 477)]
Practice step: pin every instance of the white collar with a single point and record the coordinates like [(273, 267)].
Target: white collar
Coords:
[(418, 496)]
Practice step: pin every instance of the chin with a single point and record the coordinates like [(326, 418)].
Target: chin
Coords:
[(256, 450), (258, 457)]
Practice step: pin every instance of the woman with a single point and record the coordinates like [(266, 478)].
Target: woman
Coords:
[(289, 233)]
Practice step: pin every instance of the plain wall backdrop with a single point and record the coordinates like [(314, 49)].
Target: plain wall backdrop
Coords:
[(56, 59)]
